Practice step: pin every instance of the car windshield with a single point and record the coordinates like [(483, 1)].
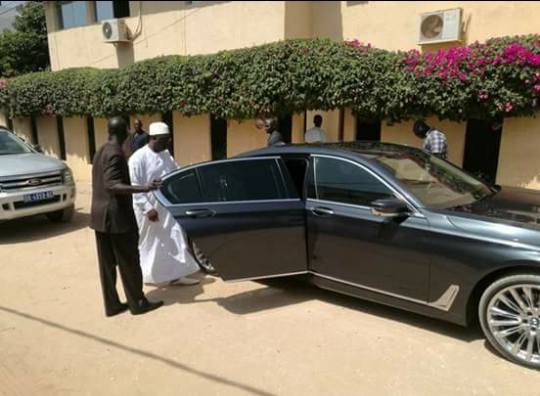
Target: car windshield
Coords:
[(435, 182), (10, 144)]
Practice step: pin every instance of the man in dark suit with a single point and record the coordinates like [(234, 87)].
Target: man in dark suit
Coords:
[(113, 220)]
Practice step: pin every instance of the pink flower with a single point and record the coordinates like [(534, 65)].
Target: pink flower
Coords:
[(483, 96), (508, 107), (3, 83), (537, 87)]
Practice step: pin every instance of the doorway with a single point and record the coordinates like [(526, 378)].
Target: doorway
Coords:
[(482, 144)]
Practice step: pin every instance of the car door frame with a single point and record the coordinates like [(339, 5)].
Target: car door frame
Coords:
[(416, 215), (177, 209)]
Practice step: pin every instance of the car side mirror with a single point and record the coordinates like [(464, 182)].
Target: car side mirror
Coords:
[(390, 208)]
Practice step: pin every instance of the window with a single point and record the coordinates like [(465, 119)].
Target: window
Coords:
[(72, 14), (341, 181), (183, 188), (435, 182), (10, 144), (249, 180), (111, 9)]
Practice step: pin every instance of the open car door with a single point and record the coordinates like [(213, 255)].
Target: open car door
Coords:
[(244, 214)]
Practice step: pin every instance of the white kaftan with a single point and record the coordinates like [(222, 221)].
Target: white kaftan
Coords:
[(162, 244)]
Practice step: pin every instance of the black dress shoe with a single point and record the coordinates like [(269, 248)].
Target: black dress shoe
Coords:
[(117, 310), (146, 306)]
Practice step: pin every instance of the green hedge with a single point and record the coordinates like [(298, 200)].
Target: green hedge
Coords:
[(498, 78)]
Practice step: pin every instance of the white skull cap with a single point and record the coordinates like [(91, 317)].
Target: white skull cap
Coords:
[(158, 128)]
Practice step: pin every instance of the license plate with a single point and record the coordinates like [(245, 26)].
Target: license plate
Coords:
[(41, 196)]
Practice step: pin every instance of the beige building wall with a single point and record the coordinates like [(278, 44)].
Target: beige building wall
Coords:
[(191, 139), (23, 128), (167, 28), (77, 152), (3, 119), (394, 25), (48, 136), (243, 136), (297, 133), (519, 158), (349, 126), (100, 132)]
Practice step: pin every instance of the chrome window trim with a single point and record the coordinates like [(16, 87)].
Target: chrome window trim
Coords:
[(397, 193), (265, 201)]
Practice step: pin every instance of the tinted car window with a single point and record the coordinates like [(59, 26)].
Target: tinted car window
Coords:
[(183, 188), (248, 180), (341, 181)]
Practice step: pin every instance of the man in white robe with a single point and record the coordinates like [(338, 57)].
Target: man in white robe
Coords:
[(162, 244)]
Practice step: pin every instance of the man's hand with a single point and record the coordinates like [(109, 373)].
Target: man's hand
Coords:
[(156, 183), (152, 215)]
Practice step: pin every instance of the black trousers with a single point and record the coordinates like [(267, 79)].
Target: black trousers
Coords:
[(119, 250)]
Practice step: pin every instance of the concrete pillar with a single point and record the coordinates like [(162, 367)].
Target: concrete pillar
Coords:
[(23, 128), (100, 132), (349, 128), (48, 136), (519, 162), (77, 151), (243, 136), (192, 142), (297, 128)]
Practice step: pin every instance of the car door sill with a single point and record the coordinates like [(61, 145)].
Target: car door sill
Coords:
[(443, 303)]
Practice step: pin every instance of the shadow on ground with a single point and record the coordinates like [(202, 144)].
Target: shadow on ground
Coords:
[(283, 292), (136, 351), (36, 228)]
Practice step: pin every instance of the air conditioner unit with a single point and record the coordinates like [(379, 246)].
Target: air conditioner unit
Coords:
[(440, 26), (114, 31)]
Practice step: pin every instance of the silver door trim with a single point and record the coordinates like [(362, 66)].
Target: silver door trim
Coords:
[(267, 276), (443, 303)]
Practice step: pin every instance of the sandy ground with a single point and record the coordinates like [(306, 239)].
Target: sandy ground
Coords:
[(277, 338)]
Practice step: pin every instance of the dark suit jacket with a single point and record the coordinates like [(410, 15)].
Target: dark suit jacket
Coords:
[(111, 213)]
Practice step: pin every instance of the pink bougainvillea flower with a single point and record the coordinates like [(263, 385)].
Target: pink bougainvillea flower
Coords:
[(3, 83)]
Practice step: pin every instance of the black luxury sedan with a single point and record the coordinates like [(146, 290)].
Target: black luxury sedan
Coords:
[(382, 222)]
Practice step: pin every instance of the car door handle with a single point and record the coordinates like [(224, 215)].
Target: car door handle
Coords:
[(197, 213), (319, 211)]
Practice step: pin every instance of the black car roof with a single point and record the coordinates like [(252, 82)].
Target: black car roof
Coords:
[(363, 149)]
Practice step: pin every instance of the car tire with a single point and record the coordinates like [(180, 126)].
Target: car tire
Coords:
[(509, 313), (61, 216), (202, 260)]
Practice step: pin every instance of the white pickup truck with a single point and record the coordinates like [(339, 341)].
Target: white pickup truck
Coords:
[(32, 183)]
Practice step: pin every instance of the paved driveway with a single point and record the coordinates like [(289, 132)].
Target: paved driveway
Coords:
[(276, 338)]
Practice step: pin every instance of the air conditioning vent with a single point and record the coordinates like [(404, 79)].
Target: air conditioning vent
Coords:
[(114, 31), (440, 26)]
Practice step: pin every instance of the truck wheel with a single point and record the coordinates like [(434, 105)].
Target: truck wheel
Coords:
[(61, 216)]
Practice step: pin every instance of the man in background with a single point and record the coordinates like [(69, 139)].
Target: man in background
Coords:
[(316, 134), (435, 141), (137, 140), (275, 138)]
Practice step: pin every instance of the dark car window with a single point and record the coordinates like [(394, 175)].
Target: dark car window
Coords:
[(342, 181), (436, 183), (183, 188), (10, 144), (246, 180)]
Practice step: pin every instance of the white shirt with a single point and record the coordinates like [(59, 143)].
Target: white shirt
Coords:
[(315, 135)]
